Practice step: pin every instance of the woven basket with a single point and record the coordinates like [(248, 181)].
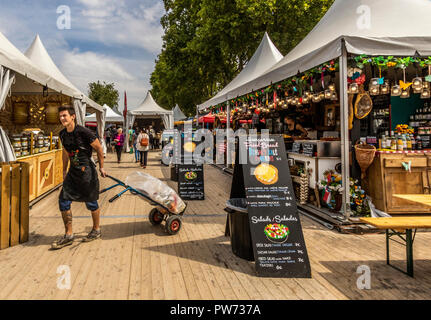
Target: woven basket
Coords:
[(365, 156)]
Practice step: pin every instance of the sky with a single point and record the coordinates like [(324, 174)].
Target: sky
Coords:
[(108, 40)]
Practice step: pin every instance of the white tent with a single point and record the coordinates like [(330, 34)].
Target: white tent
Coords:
[(13, 59), (38, 54), (111, 116), (178, 114), (150, 109), (264, 58), (20, 74), (373, 27)]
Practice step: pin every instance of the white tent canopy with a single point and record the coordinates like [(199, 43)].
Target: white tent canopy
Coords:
[(150, 109), (373, 27), (38, 54), (111, 116), (15, 60), (178, 114), (266, 56)]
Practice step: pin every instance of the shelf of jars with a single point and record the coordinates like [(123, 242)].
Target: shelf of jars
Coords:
[(43, 153)]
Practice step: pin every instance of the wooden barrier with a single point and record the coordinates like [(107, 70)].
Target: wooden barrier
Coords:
[(14, 204)]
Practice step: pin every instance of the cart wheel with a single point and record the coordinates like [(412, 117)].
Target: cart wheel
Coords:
[(173, 225), (155, 217)]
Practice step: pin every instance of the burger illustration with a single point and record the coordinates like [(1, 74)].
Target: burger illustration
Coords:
[(266, 174), (276, 232), (190, 147)]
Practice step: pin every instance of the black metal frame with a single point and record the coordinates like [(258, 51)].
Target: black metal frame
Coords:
[(407, 238)]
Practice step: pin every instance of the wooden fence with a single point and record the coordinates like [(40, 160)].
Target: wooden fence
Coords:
[(14, 204)]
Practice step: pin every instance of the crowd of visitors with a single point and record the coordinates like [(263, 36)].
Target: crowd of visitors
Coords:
[(141, 141)]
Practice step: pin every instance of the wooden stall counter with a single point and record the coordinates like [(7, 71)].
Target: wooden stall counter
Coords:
[(389, 174), (46, 172)]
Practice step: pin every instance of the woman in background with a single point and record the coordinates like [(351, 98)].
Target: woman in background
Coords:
[(119, 143)]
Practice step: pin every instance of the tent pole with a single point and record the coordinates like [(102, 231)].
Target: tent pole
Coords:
[(345, 142), (228, 135)]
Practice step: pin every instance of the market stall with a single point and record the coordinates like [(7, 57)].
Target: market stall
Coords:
[(111, 118), (323, 67), (150, 113), (30, 113)]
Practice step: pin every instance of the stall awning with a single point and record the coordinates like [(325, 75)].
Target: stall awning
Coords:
[(372, 27)]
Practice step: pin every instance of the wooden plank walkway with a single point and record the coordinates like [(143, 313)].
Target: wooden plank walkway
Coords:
[(137, 261)]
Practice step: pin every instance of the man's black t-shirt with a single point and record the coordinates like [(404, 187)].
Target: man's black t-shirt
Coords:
[(79, 139)]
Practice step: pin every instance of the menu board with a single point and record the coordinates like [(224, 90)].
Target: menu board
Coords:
[(296, 147), (308, 149), (191, 182), (276, 232)]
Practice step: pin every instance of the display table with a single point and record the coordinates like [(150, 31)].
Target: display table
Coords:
[(388, 176), (46, 172)]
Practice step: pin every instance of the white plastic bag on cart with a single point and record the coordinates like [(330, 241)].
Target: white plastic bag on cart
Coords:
[(157, 191)]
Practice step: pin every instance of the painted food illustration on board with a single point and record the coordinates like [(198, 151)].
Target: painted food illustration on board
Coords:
[(266, 174), (277, 232), (190, 175), (190, 147)]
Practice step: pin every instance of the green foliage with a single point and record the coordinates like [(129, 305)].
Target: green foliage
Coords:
[(104, 93), (207, 43)]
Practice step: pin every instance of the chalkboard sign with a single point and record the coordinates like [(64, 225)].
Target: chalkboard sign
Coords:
[(309, 149), (296, 147), (276, 232), (191, 182)]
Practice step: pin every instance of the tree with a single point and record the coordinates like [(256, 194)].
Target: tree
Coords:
[(207, 43), (104, 93)]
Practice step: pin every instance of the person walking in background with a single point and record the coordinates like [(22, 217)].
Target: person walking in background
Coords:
[(119, 143), (143, 146), (151, 139), (108, 138), (135, 145), (157, 140)]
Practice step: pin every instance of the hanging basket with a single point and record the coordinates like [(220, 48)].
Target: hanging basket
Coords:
[(365, 156)]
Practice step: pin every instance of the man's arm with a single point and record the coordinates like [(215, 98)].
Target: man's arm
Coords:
[(65, 157), (97, 146)]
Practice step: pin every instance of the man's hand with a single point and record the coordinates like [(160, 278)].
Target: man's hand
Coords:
[(103, 173)]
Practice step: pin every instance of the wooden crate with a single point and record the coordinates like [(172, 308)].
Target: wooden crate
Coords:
[(14, 204)]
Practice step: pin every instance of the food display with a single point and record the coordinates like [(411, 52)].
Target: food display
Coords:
[(277, 232), (266, 174), (21, 143)]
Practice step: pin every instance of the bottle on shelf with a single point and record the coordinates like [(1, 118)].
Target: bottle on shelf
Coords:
[(403, 137), (400, 144), (388, 141), (409, 142), (393, 142), (382, 142)]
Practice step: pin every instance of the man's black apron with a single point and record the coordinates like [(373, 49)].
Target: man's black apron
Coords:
[(82, 182)]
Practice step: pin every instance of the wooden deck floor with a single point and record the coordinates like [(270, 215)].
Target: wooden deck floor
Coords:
[(137, 261)]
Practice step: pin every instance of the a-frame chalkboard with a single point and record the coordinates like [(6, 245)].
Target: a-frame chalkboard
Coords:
[(276, 232)]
